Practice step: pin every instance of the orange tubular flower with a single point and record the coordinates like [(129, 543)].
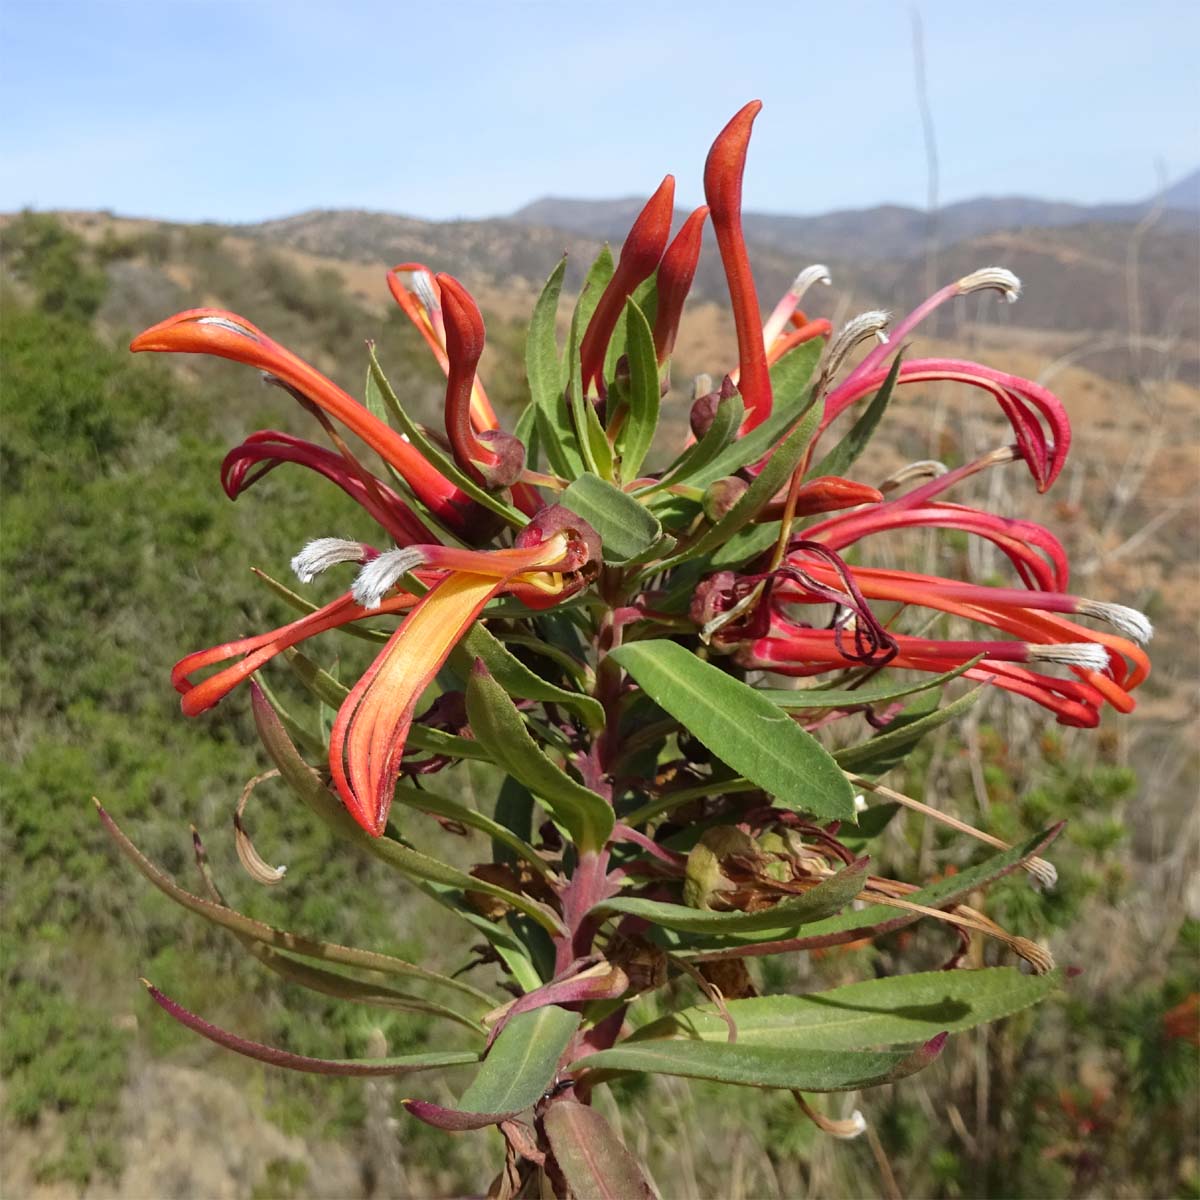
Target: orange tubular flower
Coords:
[(641, 253), (723, 190), (226, 335), (675, 275), (492, 457), (368, 737)]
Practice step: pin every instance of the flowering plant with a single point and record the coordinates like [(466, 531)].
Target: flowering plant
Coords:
[(601, 633)]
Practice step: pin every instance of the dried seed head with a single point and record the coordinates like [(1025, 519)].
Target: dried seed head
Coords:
[(1121, 617), (322, 553), (1089, 655), (998, 279), (382, 574)]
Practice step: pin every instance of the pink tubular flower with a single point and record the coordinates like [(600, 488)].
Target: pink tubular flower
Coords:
[(723, 173), (640, 255), (226, 335)]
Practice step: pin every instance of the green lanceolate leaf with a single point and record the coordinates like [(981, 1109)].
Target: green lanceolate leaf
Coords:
[(768, 481), (514, 810), (592, 1159), (886, 749), (644, 392), (519, 1068), (593, 441), (543, 369), (795, 699), (517, 679), (308, 787), (434, 454), (741, 728), (877, 1012), (727, 420), (495, 721), (627, 529), (756, 1065), (443, 806), (844, 455), (825, 899), (793, 373)]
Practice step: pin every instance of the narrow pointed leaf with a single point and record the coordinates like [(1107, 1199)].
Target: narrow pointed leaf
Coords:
[(741, 728), (495, 721), (795, 699), (520, 1066), (627, 529), (592, 1159), (826, 898), (845, 454), (543, 370), (644, 392), (793, 373), (875, 1012), (891, 746), (404, 1065), (726, 422), (771, 1066), (434, 454), (516, 678)]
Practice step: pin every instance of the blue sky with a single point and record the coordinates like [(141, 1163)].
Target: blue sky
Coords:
[(247, 109)]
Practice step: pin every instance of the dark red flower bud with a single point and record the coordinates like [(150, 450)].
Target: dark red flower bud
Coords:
[(675, 275), (641, 253)]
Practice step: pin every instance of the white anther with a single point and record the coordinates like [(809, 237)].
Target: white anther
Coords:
[(423, 286), (926, 468), (860, 803), (1043, 873), (1089, 655), (382, 574), (322, 553), (865, 325), (1121, 617), (854, 1125), (817, 273), (226, 323), (998, 278)]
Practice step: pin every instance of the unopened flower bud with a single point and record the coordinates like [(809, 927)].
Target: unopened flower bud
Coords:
[(721, 495)]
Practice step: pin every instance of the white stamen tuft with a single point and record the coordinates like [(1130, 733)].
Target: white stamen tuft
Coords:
[(926, 468), (382, 574), (423, 286), (226, 323), (1043, 873), (1121, 617), (854, 1125), (322, 553), (1089, 655), (999, 278), (817, 273), (702, 385), (865, 325), (860, 803)]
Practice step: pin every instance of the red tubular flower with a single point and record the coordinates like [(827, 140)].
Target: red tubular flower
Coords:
[(226, 335), (723, 190), (804, 332), (268, 448), (675, 275), (1021, 400), (641, 253), (492, 457)]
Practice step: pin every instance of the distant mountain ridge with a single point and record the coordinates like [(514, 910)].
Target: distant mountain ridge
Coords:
[(886, 231)]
